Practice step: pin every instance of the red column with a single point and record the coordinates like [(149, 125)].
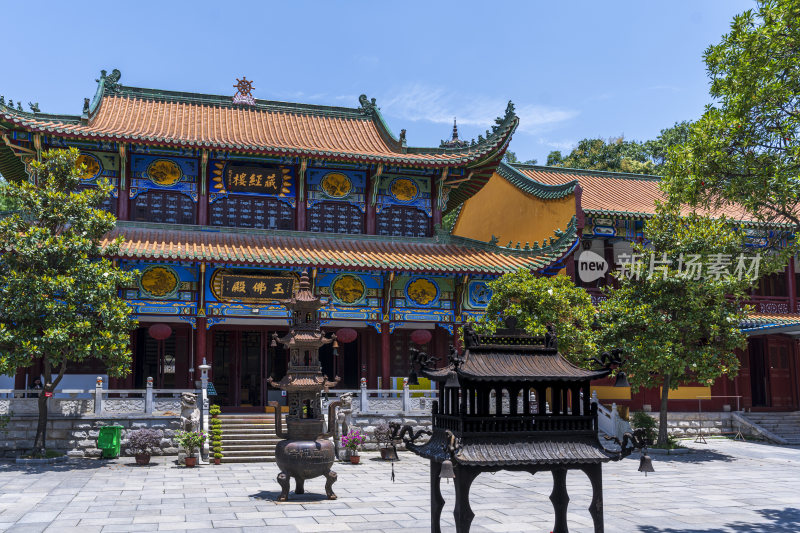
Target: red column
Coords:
[(369, 360), (385, 352), (370, 203), (301, 215), (790, 285), (437, 212), (124, 200)]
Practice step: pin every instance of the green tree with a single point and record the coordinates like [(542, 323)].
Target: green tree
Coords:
[(658, 149), (539, 301), (673, 328), (745, 149), (5, 202), (614, 155), (511, 158), (59, 299), (555, 159)]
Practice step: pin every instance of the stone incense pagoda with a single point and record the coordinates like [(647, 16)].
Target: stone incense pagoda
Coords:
[(305, 452)]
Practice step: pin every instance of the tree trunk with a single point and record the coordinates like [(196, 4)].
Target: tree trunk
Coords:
[(662, 416), (40, 441), (41, 426)]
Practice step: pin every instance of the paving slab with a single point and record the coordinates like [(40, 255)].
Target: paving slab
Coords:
[(721, 487)]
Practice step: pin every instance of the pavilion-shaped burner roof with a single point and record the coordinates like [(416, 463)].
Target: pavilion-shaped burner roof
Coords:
[(513, 356), (495, 362)]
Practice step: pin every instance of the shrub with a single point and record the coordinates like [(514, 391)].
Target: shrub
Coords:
[(353, 439), (190, 440), (642, 420), (383, 435), (214, 410), (144, 441)]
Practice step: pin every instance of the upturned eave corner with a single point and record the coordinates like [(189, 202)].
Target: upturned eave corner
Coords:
[(105, 83)]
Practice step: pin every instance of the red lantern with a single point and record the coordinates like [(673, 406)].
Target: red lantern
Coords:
[(421, 336), (346, 335), (159, 332)]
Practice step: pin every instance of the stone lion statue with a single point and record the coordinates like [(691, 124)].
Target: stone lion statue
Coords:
[(190, 414)]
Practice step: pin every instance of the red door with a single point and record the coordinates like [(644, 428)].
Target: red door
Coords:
[(780, 377)]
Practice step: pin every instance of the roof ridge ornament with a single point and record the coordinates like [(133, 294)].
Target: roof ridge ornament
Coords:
[(244, 92), (110, 81), (368, 107)]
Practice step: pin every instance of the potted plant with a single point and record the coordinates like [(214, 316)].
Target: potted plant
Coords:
[(216, 433), (383, 436), (142, 443), (191, 441), (351, 442)]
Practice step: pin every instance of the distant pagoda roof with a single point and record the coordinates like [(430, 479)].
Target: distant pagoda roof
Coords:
[(454, 141)]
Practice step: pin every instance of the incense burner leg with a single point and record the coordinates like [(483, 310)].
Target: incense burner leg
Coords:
[(300, 485), (283, 481), (560, 500), (595, 474), (437, 501), (462, 511), (330, 477)]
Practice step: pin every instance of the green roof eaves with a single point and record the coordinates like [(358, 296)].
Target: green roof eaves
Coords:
[(535, 188), (590, 172)]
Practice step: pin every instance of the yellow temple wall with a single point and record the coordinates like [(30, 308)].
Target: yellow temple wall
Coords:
[(502, 210)]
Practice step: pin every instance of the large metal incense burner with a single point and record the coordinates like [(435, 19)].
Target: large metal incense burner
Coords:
[(484, 424), (305, 452)]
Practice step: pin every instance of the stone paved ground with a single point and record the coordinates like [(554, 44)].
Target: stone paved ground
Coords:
[(727, 487)]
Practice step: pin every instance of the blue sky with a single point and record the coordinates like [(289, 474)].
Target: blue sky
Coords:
[(574, 69)]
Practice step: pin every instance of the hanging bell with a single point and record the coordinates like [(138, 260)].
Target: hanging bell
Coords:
[(412, 378), (447, 471), (622, 380), (645, 464), (452, 381), (274, 343)]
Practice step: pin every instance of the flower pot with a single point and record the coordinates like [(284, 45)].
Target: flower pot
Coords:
[(142, 459), (355, 459), (190, 461), (385, 452), (217, 460)]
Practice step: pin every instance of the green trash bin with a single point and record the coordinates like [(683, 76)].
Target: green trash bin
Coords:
[(109, 441)]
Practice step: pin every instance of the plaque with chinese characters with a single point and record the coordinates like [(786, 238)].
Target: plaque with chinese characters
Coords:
[(255, 288), (258, 180)]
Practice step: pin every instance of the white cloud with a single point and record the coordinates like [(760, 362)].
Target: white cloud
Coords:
[(564, 146), (420, 102)]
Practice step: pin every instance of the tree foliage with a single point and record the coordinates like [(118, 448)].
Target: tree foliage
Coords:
[(58, 297), (539, 301), (745, 149), (617, 154), (673, 328), (511, 158), (614, 155)]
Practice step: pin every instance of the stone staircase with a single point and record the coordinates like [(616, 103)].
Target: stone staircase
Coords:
[(785, 425), (248, 438)]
